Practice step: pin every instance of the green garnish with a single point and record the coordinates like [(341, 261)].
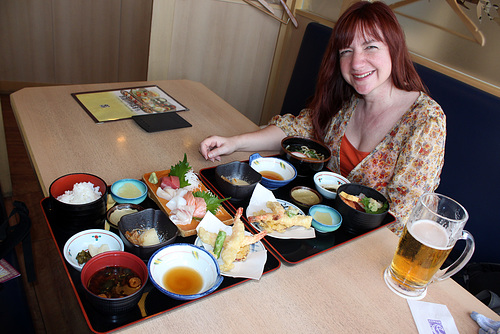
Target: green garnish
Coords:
[(180, 170), (213, 202), (373, 206)]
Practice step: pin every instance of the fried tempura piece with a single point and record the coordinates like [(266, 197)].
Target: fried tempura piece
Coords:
[(236, 246), (279, 220)]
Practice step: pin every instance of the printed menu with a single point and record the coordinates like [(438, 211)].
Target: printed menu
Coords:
[(112, 105)]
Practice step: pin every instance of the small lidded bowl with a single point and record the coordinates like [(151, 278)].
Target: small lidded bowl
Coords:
[(183, 262), (116, 212), (275, 172), (125, 264), (306, 154), (97, 239), (236, 180), (327, 183), (146, 227), (325, 219), (305, 197), (129, 191)]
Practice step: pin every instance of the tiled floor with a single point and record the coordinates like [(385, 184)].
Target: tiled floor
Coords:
[(53, 306)]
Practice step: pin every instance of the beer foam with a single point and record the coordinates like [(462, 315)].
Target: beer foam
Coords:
[(430, 234)]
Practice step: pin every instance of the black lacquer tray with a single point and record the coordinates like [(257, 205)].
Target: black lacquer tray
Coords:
[(291, 251), (153, 301)]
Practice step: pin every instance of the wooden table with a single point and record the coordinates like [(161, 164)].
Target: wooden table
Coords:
[(341, 291)]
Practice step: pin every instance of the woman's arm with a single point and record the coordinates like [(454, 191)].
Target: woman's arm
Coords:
[(266, 139)]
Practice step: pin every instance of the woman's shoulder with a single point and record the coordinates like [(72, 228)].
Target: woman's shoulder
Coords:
[(427, 106)]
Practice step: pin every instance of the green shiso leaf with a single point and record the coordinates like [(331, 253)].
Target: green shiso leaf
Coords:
[(213, 202), (180, 170)]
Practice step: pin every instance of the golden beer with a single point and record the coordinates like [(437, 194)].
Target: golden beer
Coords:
[(422, 249)]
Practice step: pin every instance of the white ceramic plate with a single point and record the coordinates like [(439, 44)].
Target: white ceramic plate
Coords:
[(294, 232)]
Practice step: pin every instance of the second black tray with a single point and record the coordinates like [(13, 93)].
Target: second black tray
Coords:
[(291, 251)]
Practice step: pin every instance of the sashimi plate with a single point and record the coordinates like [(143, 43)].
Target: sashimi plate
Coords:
[(222, 214)]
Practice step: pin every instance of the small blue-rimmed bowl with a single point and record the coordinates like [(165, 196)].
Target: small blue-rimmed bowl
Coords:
[(184, 255), (326, 224), (123, 191), (275, 172)]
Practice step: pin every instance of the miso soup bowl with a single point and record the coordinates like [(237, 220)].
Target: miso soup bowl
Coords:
[(236, 170), (185, 255), (284, 169), (114, 259)]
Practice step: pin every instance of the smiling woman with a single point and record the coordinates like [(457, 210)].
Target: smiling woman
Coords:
[(370, 108)]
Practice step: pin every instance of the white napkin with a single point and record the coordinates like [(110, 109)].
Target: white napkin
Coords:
[(260, 197), (432, 318), (252, 267)]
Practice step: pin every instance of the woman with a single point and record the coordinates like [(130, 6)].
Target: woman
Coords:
[(370, 107)]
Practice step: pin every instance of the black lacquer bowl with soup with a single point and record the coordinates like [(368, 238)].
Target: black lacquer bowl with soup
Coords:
[(128, 264), (236, 180), (316, 154), (356, 221)]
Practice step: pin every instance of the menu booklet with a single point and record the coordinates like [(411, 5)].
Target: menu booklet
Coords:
[(112, 105)]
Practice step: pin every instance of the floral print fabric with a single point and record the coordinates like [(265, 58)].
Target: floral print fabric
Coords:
[(403, 166)]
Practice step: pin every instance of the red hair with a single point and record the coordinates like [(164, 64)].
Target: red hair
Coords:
[(332, 91)]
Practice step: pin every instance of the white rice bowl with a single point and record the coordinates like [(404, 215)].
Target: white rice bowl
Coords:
[(82, 193)]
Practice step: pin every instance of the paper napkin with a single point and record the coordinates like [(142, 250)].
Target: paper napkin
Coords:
[(252, 267), (432, 318), (258, 202)]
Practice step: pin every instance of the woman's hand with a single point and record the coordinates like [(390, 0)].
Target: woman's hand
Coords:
[(213, 147), (266, 139)]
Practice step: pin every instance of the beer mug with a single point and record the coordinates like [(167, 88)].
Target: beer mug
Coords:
[(434, 226)]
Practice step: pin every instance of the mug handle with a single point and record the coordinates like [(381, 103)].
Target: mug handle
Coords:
[(253, 157), (462, 260)]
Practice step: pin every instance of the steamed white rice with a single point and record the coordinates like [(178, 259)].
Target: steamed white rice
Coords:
[(82, 193)]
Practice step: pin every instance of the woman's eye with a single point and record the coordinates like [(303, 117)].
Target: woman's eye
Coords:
[(344, 52)]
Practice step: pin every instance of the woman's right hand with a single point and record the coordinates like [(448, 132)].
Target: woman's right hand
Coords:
[(213, 147)]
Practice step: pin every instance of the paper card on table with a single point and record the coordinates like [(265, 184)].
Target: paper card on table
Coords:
[(252, 267), (258, 202), (432, 318)]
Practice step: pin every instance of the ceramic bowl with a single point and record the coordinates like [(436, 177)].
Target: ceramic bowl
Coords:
[(327, 182), (73, 216), (184, 255), (305, 197), (115, 213), (236, 170), (305, 165), (120, 191), (356, 221), (114, 259), (82, 240), (328, 224), (275, 172), (146, 219)]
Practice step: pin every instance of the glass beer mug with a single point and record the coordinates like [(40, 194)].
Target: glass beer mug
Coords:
[(434, 226)]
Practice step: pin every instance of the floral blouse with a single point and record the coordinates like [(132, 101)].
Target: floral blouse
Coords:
[(403, 166)]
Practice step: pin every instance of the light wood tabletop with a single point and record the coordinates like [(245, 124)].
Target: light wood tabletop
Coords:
[(339, 291)]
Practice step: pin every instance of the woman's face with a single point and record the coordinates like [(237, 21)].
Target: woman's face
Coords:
[(366, 65)]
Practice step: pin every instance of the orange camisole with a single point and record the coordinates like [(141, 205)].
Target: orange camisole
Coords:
[(350, 157)]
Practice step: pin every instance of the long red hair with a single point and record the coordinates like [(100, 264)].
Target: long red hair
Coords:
[(332, 91)]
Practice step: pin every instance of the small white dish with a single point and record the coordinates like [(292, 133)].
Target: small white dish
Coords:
[(334, 180), (82, 240)]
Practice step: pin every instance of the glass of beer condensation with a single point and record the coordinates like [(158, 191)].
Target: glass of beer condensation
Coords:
[(434, 226)]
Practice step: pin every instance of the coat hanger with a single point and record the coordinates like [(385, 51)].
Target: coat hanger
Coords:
[(267, 9), (478, 36)]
